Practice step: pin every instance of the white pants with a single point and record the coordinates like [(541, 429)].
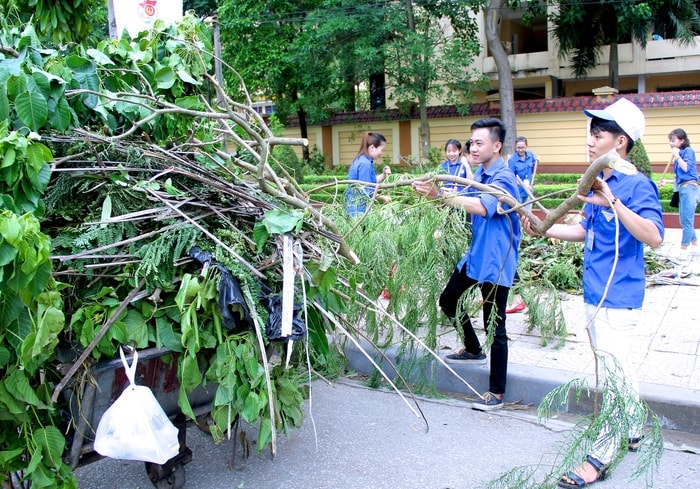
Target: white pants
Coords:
[(611, 338)]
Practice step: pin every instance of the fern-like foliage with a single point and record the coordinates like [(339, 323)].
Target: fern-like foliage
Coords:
[(544, 311), (158, 256)]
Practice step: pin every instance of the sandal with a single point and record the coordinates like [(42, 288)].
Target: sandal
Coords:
[(577, 481)]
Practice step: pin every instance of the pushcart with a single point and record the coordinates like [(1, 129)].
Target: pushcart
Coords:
[(157, 369)]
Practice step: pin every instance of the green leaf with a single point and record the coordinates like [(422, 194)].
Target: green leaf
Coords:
[(166, 334), (41, 82), (32, 109), (49, 326), (51, 442), (277, 221), (9, 158), (11, 230), (264, 433), (80, 65), (17, 384), (251, 408), (260, 236), (61, 116), (136, 327), (106, 211), (7, 254), (4, 356), (223, 396), (99, 57), (4, 103), (190, 373), (8, 456), (39, 279), (165, 77), (9, 402), (186, 77), (38, 155)]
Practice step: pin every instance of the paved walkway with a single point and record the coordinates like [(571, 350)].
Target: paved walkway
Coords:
[(666, 346)]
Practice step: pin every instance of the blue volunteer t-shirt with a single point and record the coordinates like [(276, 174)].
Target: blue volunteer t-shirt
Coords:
[(524, 168), (493, 254), (687, 154), (639, 194), (357, 197), (456, 169)]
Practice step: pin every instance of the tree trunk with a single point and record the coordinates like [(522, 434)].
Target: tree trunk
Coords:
[(424, 128), (348, 91), (505, 79), (303, 127), (614, 67), (377, 91), (304, 130)]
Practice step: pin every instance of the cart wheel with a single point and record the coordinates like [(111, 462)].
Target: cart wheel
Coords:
[(174, 480)]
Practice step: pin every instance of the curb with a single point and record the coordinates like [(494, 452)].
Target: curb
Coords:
[(678, 409)]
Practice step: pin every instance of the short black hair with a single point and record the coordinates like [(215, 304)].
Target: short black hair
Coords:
[(496, 127), (599, 125)]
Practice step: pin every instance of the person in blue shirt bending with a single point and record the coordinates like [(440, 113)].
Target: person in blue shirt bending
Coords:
[(491, 259), (631, 200), (362, 169), (524, 164)]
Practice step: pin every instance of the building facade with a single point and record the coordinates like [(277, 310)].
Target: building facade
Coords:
[(663, 79)]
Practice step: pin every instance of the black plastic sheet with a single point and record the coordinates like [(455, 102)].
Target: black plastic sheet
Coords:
[(273, 326), (234, 311)]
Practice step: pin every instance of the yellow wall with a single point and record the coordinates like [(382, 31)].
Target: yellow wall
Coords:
[(558, 138)]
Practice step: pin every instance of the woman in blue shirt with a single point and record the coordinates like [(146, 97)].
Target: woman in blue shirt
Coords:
[(524, 165), (686, 169), (362, 169), (454, 165)]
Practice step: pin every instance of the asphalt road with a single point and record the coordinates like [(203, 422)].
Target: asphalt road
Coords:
[(355, 438)]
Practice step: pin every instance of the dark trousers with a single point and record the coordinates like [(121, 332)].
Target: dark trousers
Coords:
[(494, 296)]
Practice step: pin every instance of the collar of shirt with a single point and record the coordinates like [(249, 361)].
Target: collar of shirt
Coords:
[(489, 172)]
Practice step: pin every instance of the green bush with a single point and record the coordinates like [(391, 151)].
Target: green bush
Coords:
[(286, 157), (550, 178), (638, 156)]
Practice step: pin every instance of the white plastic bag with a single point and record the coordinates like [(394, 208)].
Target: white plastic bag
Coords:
[(135, 426)]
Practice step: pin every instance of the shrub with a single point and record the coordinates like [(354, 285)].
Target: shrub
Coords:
[(286, 157), (639, 158)]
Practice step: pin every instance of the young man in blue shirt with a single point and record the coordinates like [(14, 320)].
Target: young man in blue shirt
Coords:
[(632, 199), (491, 260)]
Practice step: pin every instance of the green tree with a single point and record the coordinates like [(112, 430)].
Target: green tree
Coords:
[(492, 12), (310, 57), (424, 59), (583, 28), (259, 42), (61, 21)]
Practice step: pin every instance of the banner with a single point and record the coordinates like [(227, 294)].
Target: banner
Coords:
[(139, 15)]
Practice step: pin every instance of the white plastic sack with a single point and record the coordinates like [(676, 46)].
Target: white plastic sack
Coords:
[(135, 426)]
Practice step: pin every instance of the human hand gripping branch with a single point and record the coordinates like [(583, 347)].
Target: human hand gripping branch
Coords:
[(428, 186)]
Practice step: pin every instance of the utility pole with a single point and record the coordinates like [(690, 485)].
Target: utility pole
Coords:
[(111, 20)]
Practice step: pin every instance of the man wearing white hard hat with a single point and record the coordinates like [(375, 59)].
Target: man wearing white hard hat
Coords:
[(614, 277)]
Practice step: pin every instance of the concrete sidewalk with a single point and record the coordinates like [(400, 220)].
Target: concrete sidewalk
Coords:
[(666, 347)]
